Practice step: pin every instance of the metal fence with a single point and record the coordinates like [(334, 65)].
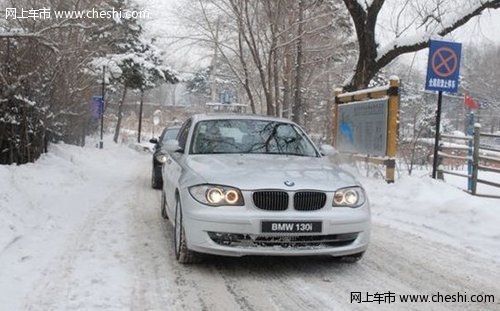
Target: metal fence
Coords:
[(478, 158)]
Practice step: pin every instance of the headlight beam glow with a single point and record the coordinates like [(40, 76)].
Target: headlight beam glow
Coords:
[(216, 195), (349, 197)]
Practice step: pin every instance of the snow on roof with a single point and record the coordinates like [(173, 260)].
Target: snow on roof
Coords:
[(364, 91)]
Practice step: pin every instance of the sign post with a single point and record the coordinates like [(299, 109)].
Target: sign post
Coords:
[(443, 70), (435, 158), (101, 142)]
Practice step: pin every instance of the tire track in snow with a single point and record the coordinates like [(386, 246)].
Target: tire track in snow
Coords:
[(157, 281), (88, 269), (265, 282), (396, 261), (55, 289)]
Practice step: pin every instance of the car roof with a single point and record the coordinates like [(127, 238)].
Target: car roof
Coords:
[(236, 116)]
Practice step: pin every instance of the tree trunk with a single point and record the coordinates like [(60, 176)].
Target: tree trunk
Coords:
[(329, 107), (255, 52), (278, 101), (287, 83), (246, 83), (140, 117), (119, 115), (298, 109), (270, 104), (213, 73)]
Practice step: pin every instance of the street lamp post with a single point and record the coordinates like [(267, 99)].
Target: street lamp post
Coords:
[(101, 142)]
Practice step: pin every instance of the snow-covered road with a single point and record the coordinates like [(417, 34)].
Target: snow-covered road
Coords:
[(107, 248)]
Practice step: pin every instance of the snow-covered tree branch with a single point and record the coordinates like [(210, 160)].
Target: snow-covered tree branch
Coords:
[(423, 21)]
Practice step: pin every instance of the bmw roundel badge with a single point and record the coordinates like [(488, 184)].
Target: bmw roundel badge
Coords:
[(289, 183)]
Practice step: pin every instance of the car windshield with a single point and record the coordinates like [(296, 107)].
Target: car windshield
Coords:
[(250, 136), (170, 133)]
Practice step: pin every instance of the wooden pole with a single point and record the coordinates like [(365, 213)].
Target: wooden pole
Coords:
[(337, 92), (392, 129)]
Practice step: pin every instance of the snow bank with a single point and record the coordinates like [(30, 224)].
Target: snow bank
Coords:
[(48, 211), (46, 194), (438, 211)]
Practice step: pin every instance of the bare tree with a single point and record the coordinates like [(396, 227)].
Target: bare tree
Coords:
[(275, 52)]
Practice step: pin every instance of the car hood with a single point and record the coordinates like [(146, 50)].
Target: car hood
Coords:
[(264, 171)]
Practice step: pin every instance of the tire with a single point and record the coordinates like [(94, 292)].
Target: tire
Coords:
[(163, 206), (353, 258), (182, 253), (156, 183)]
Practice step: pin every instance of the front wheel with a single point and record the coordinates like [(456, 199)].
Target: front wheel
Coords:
[(182, 253), (156, 182)]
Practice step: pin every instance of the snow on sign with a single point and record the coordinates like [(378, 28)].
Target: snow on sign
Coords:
[(362, 127), (443, 67)]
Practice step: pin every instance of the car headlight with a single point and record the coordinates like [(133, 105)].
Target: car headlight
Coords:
[(349, 197), (161, 157), (216, 195)]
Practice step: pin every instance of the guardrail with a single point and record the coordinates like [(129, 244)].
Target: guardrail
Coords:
[(473, 159)]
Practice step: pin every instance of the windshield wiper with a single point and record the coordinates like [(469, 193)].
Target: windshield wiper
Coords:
[(287, 153)]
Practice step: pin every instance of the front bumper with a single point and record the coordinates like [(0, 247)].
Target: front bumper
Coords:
[(351, 227)]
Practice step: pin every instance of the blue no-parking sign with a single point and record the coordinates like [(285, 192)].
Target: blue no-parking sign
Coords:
[(97, 107), (443, 67)]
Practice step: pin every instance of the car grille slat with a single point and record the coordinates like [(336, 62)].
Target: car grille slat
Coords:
[(271, 200), (309, 200)]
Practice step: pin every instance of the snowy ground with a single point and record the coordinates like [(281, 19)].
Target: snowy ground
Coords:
[(81, 230)]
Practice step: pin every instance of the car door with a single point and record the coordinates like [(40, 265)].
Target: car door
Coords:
[(172, 168)]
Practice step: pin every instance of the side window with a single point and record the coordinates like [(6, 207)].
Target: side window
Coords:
[(183, 134)]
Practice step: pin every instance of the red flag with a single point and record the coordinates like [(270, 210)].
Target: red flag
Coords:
[(471, 103)]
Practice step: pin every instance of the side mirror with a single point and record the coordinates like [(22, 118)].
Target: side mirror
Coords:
[(328, 150), (153, 141), (172, 145)]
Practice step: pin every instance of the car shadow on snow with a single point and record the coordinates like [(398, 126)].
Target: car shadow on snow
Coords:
[(281, 265)]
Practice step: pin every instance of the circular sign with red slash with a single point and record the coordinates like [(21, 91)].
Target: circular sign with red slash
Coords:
[(444, 62)]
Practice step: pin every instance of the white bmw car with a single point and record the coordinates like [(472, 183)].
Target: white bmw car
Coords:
[(239, 185)]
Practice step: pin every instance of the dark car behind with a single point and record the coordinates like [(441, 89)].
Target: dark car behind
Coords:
[(167, 134)]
